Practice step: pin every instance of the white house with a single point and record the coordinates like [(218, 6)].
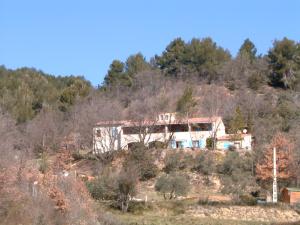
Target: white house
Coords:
[(166, 129)]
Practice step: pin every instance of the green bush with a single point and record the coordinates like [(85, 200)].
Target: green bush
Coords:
[(136, 207), (203, 200), (248, 200), (177, 160), (43, 163), (77, 156), (236, 173), (148, 170), (209, 143), (157, 145), (255, 81), (231, 148), (204, 163), (172, 185), (103, 188), (142, 158), (179, 207), (172, 162)]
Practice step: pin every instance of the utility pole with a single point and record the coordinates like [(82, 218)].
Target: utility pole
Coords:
[(274, 177)]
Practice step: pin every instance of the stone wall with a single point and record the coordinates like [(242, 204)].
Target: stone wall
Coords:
[(247, 213)]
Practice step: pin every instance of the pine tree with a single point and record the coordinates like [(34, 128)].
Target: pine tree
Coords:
[(248, 50), (135, 64), (116, 75), (238, 122), (284, 62), (187, 102)]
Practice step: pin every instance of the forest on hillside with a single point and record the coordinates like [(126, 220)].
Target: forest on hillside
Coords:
[(38, 111)]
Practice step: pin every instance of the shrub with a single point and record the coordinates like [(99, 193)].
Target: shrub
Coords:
[(204, 163), (186, 162), (77, 156), (172, 185), (144, 162), (148, 170), (43, 163), (236, 174), (126, 183), (248, 200), (232, 148), (209, 143), (255, 81), (138, 207), (117, 187), (103, 188), (172, 162), (179, 207), (157, 145), (175, 161), (203, 200)]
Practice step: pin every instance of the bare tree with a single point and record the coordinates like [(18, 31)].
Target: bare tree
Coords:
[(216, 103)]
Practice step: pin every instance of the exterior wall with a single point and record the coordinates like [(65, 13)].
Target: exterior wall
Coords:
[(294, 197), (186, 138), (105, 141), (219, 127), (244, 143), (130, 138), (108, 139)]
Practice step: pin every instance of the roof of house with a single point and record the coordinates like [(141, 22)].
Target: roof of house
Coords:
[(128, 123), (231, 137)]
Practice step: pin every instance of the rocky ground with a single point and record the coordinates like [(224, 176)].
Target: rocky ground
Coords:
[(247, 213)]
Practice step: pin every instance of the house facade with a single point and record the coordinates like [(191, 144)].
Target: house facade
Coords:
[(168, 130)]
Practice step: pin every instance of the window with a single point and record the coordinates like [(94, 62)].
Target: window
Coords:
[(161, 117), (130, 130), (166, 117), (179, 144), (201, 127), (172, 144), (196, 144), (114, 132), (134, 130), (157, 129), (178, 128), (98, 133)]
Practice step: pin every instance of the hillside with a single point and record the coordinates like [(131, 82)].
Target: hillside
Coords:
[(49, 175)]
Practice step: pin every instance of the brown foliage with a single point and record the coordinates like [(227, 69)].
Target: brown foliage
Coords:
[(284, 148)]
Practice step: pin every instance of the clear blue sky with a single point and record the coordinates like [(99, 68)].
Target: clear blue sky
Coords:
[(82, 37)]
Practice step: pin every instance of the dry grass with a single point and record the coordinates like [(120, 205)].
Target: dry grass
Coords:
[(173, 213)]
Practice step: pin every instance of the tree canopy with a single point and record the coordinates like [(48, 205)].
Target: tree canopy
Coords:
[(284, 62)]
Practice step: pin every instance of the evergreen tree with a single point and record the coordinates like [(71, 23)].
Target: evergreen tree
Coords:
[(116, 74), (284, 62), (25, 92), (248, 50), (204, 57), (172, 58), (187, 102), (135, 64), (238, 122)]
